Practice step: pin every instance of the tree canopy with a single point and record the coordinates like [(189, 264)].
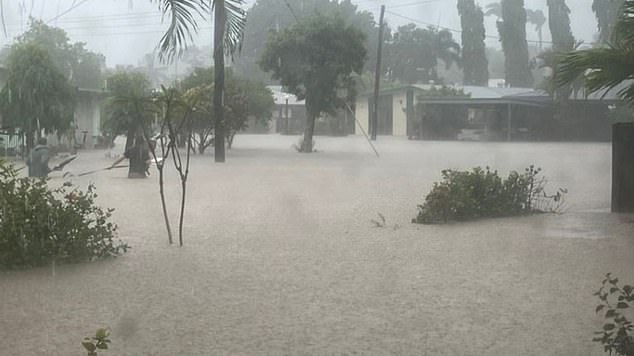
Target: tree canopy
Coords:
[(128, 107), (244, 99), (80, 66), (474, 60), (37, 96), (314, 59), (512, 29), (267, 17), (605, 68), (413, 53), (607, 13)]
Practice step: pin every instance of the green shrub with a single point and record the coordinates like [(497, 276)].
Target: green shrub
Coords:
[(616, 334), (482, 193), (40, 225), (98, 342)]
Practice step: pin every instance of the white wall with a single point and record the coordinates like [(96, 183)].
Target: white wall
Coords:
[(362, 114), (399, 114)]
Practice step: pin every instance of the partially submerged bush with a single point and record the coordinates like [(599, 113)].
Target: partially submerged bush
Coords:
[(616, 336), (39, 225), (482, 193)]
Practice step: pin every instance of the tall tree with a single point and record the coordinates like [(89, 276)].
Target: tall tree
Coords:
[(413, 53), (82, 67), (244, 99), (267, 16), (512, 29), (474, 59), (559, 24), (314, 59), (229, 22), (607, 13), (606, 68), (537, 18), (563, 40), (37, 97)]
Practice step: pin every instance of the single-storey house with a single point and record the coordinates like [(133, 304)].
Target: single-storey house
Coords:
[(484, 113), (290, 116)]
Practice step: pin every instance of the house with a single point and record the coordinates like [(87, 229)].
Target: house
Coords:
[(290, 116), (483, 113)]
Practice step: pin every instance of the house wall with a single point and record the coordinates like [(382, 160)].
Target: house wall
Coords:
[(399, 114), (362, 114)]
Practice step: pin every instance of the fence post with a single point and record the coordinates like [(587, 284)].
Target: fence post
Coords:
[(623, 167)]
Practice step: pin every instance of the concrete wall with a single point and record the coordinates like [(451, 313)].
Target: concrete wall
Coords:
[(399, 114), (362, 114)]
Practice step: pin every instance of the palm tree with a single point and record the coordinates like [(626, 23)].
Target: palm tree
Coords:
[(537, 18), (605, 68), (494, 9), (229, 22), (601, 70)]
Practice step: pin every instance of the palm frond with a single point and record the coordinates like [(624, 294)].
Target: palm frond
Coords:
[(602, 68), (623, 34), (183, 25), (235, 22)]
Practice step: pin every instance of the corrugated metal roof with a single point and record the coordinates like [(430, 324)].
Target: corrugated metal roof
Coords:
[(477, 92)]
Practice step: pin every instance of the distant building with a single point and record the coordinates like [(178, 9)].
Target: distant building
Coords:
[(494, 114), (290, 116)]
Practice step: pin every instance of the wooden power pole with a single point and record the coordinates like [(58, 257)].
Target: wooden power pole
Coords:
[(377, 80)]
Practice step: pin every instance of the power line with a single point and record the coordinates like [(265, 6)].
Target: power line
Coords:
[(73, 7), (460, 31)]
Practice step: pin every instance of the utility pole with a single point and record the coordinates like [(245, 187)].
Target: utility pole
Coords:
[(377, 79)]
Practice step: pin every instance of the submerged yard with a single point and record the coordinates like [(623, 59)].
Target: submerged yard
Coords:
[(280, 258)]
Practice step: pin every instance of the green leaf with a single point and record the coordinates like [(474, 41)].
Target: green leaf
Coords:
[(622, 305), (610, 313), (89, 346), (102, 346), (101, 333), (608, 327)]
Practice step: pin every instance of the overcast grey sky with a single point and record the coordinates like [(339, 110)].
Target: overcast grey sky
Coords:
[(124, 30)]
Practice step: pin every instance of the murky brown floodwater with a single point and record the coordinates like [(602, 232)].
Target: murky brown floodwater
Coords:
[(280, 258)]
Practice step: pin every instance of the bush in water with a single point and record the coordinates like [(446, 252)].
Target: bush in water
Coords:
[(40, 225), (482, 193), (616, 334)]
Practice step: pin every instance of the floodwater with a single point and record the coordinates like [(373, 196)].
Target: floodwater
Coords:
[(281, 258)]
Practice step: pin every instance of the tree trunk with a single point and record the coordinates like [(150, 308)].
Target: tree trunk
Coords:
[(219, 80), (622, 168), (307, 143)]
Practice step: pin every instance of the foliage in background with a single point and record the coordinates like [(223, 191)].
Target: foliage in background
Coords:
[(512, 29), (244, 99), (482, 193), (37, 97), (605, 68), (616, 335), (474, 60), (98, 342), (563, 41), (128, 107), (272, 16), (413, 54), (314, 60), (80, 66), (39, 225), (537, 18), (607, 13)]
